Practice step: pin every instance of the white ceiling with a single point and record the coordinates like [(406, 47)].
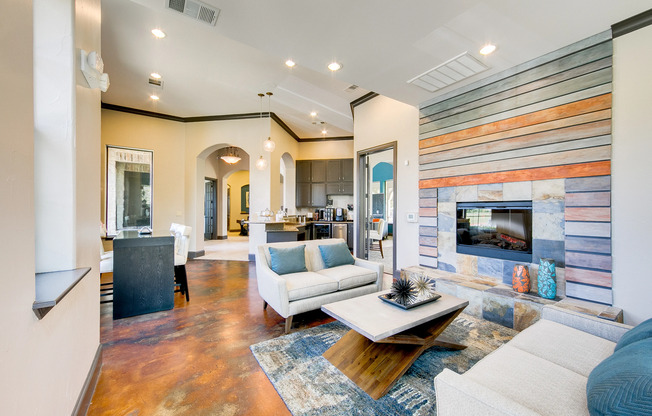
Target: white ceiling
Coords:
[(219, 70)]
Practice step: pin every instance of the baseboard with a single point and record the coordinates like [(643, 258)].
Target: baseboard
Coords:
[(252, 257), (86, 394), (221, 237), (195, 254)]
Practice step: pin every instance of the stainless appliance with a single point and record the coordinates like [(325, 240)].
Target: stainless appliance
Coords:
[(340, 214), (340, 231), (321, 230)]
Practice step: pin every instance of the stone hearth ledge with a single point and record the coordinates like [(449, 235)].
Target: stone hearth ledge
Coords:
[(497, 302)]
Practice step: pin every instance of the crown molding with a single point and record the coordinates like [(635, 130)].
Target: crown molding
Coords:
[(631, 24)]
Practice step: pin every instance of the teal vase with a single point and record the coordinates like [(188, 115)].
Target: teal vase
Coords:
[(546, 282)]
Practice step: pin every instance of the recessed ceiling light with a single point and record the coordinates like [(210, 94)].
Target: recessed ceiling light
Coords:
[(334, 66), (290, 63), (313, 113), (155, 75), (158, 33), (154, 97), (487, 49)]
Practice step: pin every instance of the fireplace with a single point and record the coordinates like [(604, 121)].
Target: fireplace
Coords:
[(501, 230)]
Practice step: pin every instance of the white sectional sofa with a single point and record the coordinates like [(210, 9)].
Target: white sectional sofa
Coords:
[(541, 371), (293, 293)]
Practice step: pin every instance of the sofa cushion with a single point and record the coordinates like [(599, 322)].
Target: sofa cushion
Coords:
[(571, 348), (349, 276), (313, 254), (308, 284), (639, 332), (538, 384), (620, 385), (336, 254), (288, 259)]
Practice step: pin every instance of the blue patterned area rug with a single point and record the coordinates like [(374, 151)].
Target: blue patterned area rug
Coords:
[(310, 385)]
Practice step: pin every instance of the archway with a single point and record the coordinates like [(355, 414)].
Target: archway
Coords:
[(288, 183)]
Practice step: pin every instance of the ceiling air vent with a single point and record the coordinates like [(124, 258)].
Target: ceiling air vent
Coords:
[(195, 9), (351, 88), (454, 70), (156, 82)]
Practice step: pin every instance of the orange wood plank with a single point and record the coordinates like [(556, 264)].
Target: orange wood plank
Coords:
[(428, 251), (590, 277), (588, 214), (589, 105), (427, 212), (597, 116), (554, 172)]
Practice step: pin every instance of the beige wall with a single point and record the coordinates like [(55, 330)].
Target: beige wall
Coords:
[(167, 140), (383, 120), (45, 362), (337, 149), (631, 174), (237, 180)]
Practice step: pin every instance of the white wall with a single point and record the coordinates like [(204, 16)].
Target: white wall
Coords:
[(383, 120), (632, 174), (45, 362)]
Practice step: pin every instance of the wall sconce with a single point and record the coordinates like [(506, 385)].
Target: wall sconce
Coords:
[(92, 67)]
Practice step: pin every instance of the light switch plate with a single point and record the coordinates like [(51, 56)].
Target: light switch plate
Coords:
[(411, 217)]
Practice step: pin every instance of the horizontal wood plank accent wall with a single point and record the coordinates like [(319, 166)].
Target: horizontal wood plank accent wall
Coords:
[(549, 118)]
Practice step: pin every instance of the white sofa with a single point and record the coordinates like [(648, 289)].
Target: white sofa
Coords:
[(293, 293), (541, 371)]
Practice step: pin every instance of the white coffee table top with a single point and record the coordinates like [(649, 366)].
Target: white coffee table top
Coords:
[(376, 319)]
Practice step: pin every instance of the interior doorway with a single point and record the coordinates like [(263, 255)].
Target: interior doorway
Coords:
[(377, 213), (210, 209)]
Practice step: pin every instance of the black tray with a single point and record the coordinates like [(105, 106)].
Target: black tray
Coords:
[(387, 298)]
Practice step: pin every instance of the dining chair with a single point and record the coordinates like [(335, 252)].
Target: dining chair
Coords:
[(377, 234), (106, 266), (181, 245)]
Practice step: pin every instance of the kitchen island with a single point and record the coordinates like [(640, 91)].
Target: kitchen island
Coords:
[(278, 231)]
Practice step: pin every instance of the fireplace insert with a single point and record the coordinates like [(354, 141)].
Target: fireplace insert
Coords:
[(501, 230)]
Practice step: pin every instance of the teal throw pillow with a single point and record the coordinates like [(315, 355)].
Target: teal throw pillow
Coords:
[(288, 260), (639, 332), (622, 383), (336, 255)]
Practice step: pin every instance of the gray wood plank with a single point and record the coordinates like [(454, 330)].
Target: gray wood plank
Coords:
[(592, 154), (588, 244), (555, 102), (591, 293), (466, 102), (545, 127), (541, 60), (427, 231), (600, 128), (588, 229), (591, 277), (519, 153), (427, 202), (595, 183), (428, 241), (428, 261), (428, 193), (588, 199), (588, 260), (594, 79)]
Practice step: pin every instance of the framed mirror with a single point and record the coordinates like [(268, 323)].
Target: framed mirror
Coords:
[(128, 189)]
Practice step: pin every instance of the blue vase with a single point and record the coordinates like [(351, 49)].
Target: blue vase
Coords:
[(546, 282)]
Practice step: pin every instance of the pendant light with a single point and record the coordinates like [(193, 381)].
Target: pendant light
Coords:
[(261, 163), (269, 144), (230, 156)]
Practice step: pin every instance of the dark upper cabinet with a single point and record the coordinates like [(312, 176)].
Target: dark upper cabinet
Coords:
[(318, 171), (318, 191), (333, 171), (347, 170), (303, 194), (318, 178), (304, 171)]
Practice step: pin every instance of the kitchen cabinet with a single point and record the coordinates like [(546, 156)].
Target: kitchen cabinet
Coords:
[(315, 179)]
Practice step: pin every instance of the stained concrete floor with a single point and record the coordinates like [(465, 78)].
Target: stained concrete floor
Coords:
[(195, 358)]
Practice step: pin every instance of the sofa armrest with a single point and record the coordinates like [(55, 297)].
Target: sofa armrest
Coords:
[(602, 328), (376, 267), (459, 395), (271, 286)]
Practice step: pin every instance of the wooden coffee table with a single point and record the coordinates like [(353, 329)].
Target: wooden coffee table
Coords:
[(385, 340)]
